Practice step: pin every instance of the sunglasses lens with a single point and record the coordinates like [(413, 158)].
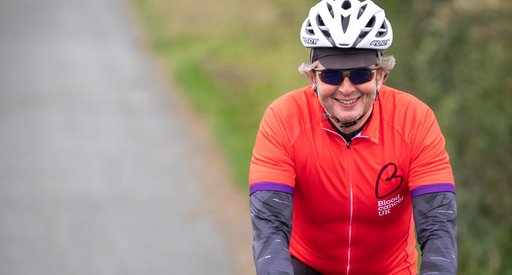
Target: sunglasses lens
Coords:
[(331, 77), (335, 77), (361, 76)]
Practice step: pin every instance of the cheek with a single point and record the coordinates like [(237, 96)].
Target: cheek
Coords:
[(326, 91), (368, 88), (324, 98)]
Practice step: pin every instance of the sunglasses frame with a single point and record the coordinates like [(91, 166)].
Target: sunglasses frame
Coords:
[(346, 73)]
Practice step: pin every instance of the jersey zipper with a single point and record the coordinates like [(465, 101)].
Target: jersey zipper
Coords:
[(351, 190), (349, 246), (351, 213)]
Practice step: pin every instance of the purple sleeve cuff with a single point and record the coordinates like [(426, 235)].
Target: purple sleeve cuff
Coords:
[(433, 188), (270, 186)]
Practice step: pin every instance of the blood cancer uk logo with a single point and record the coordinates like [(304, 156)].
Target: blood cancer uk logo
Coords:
[(388, 182)]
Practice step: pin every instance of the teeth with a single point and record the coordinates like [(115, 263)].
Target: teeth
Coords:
[(347, 102)]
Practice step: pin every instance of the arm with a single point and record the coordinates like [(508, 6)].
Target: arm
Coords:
[(271, 216), (435, 217)]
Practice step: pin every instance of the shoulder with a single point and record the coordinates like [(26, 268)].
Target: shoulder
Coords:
[(401, 101), (293, 102), (404, 112), (401, 107), (297, 106), (292, 114)]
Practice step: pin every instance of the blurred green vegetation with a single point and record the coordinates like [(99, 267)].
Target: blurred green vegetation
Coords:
[(232, 58)]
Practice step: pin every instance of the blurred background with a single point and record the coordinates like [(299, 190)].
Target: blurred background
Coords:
[(104, 169), (233, 57)]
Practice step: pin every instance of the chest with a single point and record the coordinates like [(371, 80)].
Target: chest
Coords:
[(367, 176)]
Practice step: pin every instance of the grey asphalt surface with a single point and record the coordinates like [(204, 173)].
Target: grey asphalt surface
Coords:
[(98, 162)]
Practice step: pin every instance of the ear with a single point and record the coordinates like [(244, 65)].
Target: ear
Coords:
[(311, 78), (382, 76), (385, 76)]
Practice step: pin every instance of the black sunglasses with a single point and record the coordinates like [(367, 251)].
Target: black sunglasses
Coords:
[(335, 77)]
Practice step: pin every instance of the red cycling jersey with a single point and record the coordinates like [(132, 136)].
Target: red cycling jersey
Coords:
[(352, 201)]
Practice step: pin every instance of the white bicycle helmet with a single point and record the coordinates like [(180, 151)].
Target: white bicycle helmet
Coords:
[(347, 24)]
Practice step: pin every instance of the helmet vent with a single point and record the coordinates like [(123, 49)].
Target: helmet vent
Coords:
[(309, 28), (346, 5), (371, 23), (362, 34), (329, 8), (320, 22), (383, 30), (324, 29), (361, 11), (344, 22)]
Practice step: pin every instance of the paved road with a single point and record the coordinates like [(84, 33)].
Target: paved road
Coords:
[(98, 171)]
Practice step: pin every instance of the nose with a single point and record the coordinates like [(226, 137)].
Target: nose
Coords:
[(346, 86)]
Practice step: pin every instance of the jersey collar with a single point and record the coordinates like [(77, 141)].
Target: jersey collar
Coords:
[(371, 130)]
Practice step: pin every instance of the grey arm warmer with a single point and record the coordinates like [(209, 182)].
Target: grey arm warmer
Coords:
[(435, 217), (271, 216)]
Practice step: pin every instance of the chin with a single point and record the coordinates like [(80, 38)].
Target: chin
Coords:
[(347, 117)]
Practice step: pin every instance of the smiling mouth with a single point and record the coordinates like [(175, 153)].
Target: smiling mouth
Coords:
[(347, 102)]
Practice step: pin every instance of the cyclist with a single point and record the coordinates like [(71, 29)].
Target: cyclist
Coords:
[(348, 174)]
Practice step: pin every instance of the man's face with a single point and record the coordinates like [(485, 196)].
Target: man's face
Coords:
[(347, 101)]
